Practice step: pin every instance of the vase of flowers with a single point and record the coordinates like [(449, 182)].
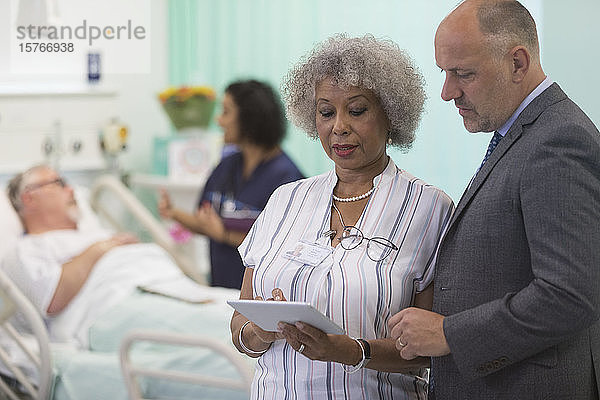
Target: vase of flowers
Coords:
[(188, 106)]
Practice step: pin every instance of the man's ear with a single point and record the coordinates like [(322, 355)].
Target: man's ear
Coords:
[(26, 199), (520, 63)]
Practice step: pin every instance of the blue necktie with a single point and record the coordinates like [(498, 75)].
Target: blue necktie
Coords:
[(431, 388), (493, 143)]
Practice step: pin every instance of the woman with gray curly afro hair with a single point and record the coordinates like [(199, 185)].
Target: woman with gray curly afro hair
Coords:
[(355, 242), (375, 64)]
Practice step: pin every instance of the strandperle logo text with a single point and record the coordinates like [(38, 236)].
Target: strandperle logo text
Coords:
[(84, 31)]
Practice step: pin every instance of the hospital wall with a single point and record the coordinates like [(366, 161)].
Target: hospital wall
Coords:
[(56, 112), (263, 38)]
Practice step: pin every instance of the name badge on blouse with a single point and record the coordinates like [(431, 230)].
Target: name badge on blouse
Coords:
[(308, 253)]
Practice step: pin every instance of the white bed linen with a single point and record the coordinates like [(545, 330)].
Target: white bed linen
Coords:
[(96, 374), (10, 225), (35, 267), (79, 373)]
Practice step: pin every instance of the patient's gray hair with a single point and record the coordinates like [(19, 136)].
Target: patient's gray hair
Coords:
[(17, 184), (366, 62)]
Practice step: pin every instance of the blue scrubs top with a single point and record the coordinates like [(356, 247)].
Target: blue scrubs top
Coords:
[(239, 201)]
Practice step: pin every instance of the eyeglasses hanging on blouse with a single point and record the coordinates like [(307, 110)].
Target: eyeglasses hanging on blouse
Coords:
[(378, 248)]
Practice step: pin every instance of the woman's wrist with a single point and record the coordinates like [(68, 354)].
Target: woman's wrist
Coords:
[(245, 347), (359, 353), (359, 359), (351, 353), (173, 213), (225, 236)]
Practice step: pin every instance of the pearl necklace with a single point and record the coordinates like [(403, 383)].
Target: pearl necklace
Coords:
[(355, 198)]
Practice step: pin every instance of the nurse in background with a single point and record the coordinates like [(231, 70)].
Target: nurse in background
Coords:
[(239, 187)]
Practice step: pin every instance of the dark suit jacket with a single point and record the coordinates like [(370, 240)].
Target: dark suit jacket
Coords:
[(518, 271)]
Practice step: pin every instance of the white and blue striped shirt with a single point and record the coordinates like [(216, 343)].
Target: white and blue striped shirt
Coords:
[(357, 293)]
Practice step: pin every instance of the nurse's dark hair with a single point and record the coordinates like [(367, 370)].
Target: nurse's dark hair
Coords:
[(261, 118)]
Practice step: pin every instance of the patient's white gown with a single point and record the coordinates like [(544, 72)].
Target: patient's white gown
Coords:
[(35, 266)]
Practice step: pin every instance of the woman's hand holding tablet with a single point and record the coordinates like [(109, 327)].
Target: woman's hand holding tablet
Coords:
[(267, 314)]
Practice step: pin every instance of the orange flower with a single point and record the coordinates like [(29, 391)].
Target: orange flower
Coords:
[(182, 93)]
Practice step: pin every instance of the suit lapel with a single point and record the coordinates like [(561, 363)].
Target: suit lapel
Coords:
[(548, 97), (507, 141)]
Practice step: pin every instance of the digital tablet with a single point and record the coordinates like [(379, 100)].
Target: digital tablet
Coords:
[(267, 314)]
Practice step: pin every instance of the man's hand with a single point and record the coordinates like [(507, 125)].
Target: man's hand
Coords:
[(76, 271), (117, 240), (418, 332)]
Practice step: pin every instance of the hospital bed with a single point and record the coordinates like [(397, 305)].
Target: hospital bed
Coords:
[(109, 186), (136, 363)]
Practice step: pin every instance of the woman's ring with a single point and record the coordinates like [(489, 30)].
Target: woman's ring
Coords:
[(400, 343), (301, 348)]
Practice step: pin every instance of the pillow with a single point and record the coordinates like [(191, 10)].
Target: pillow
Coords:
[(10, 224), (88, 220)]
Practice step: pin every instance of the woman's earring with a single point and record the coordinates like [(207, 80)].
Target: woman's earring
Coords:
[(389, 140)]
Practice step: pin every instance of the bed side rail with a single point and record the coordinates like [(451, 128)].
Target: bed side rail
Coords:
[(11, 301), (158, 232), (131, 372)]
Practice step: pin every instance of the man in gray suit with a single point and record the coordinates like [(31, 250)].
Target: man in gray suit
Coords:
[(517, 298)]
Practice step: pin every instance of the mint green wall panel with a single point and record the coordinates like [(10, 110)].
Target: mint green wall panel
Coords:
[(216, 41), (571, 50)]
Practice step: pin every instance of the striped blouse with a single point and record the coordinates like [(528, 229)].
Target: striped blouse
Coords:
[(357, 293)]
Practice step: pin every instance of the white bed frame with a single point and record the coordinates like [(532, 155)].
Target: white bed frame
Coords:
[(110, 184), (12, 301), (131, 372)]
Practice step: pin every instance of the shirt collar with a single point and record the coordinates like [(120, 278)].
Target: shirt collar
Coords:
[(546, 83)]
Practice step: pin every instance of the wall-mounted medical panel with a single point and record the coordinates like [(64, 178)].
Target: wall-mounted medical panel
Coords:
[(61, 128)]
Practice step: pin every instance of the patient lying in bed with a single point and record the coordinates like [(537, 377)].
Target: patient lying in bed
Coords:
[(75, 277)]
